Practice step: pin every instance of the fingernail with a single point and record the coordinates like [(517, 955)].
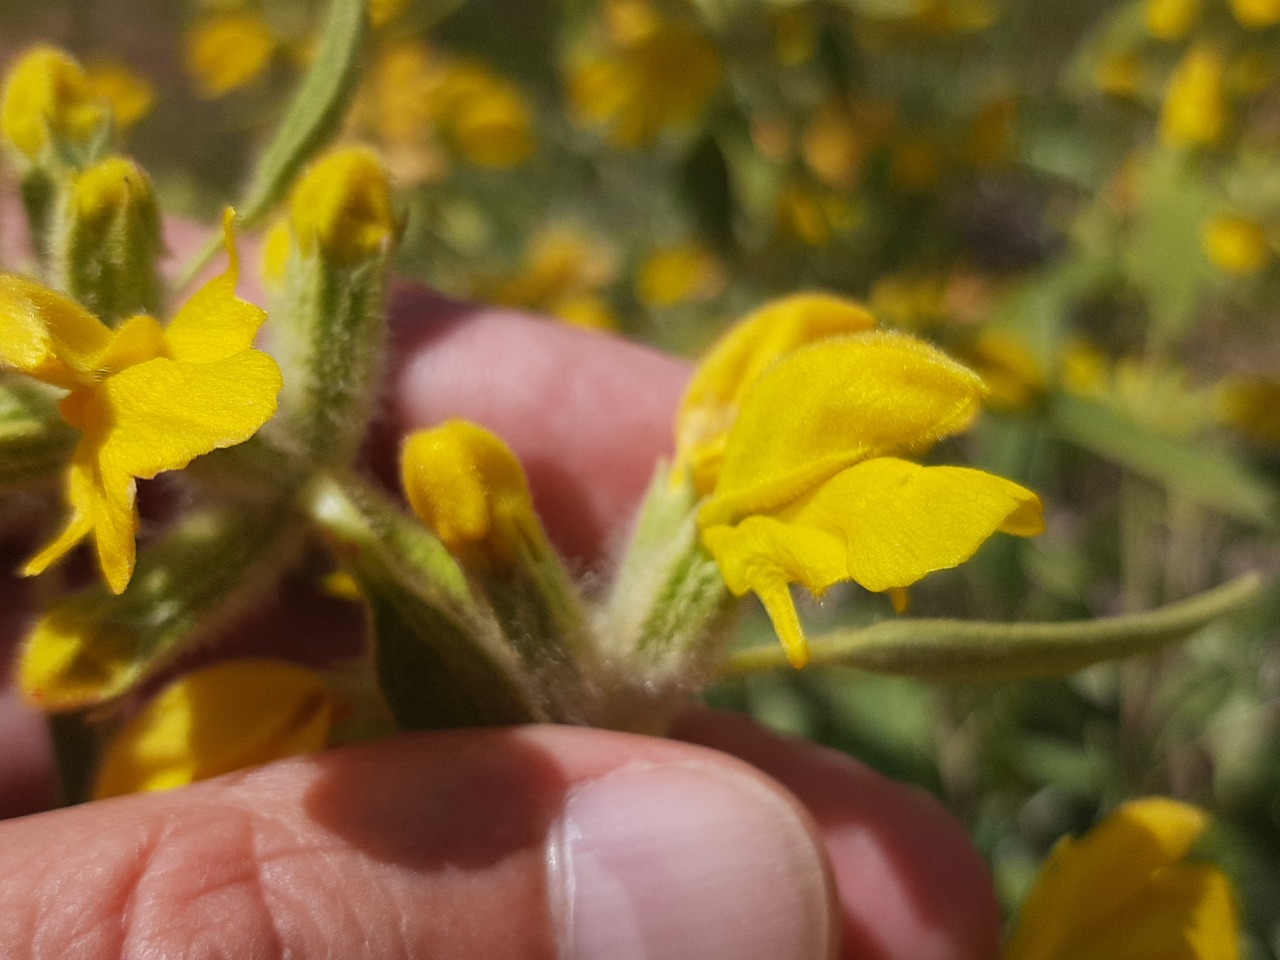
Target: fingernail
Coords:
[(675, 862)]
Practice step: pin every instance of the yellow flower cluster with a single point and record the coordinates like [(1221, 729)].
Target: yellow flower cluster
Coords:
[(146, 398), (795, 427)]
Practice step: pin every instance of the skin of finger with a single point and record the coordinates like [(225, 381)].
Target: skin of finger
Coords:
[(427, 845), (911, 884), (587, 414)]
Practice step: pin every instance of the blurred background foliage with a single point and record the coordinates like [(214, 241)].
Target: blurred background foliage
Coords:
[(1081, 200)]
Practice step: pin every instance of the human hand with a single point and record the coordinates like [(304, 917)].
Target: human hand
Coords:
[(520, 843)]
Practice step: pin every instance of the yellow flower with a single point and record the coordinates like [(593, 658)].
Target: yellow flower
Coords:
[(218, 719), (1120, 73), (484, 116), (145, 398), (468, 486), (1252, 406), (658, 79), (382, 12), (560, 265), (1195, 105), (812, 216), (811, 489), (1013, 376), (130, 95), (227, 51), (1256, 14), (1171, 19), (1124, 891), (341, 206), (675, 274), (1235, 245), (47, 98), (714, 397)]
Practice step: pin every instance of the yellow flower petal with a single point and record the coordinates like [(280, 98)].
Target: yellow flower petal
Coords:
[(1235, 244), (130, 95), (101, 504), (341, 206), (227, 51), (468, 486), (47, 95), (1122, 892), (164, 413), (714, 396), (47, 335), (215, 324), (1195, 105), (884, 523), (830, 405), (216, 720)]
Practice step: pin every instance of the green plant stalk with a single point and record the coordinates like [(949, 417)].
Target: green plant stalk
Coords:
[(963, 651)]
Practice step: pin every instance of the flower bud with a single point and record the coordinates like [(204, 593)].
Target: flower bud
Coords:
[(218, 719), (342, 207), (47, 101), (110, 240), (467, 486)]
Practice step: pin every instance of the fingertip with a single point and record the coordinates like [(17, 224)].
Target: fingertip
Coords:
[(910, 882)]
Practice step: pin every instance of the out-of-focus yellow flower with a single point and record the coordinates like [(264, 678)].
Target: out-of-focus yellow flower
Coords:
[(1120, 73), (1195, 109), (227, 51), (1013, 376), (841, 135), (1256, 14), (215, 720), (991, 133), (795, 36), (1171, 19), (467, 485), (1150, 391), (1235, 244), (676, 274), (1124, 890), (129, 94), (811, 489), (590, 311), (1252, 406), (47, 97), (812, 216), (951, 17), (145, 398), (912, 301), (714, 396), (561, 265), (484, 116), (276, 248), (651, 80), (382, 12), (341, 206), (917, 161)]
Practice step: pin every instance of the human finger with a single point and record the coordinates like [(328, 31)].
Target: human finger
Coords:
[(534, 842), (910, 884)]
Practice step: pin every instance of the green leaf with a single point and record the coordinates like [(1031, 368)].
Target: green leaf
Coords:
[(315, 112), (957, 650), (1201, 473)]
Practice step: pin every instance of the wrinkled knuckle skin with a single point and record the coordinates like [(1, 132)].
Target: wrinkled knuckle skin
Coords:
[(203, 884)]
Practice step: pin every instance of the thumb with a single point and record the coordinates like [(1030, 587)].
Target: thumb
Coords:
[(475, 845)]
